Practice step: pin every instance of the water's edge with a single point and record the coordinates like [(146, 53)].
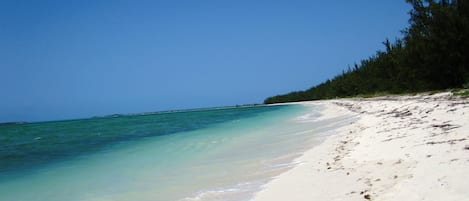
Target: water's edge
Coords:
[(227, 160)]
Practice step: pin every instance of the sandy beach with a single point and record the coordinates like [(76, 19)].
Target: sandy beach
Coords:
[(400, 148)]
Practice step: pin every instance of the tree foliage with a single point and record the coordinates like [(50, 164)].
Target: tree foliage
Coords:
[(433, 54)]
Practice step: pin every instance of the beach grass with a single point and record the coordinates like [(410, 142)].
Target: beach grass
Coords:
[(461, 92)]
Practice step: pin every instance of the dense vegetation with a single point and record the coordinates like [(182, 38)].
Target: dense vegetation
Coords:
[(432, 55)]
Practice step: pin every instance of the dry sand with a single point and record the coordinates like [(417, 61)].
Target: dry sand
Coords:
[(401, 148)]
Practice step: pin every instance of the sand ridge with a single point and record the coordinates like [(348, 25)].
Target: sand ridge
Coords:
[(401, 148)]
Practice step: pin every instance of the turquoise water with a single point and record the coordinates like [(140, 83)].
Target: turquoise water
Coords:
[(23, 146), (217, 154)]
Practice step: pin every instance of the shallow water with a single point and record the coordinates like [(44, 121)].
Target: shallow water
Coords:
[(220, 154)]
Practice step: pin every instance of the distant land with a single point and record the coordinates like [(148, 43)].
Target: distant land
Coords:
[(181, 110), (137, 114), (13, 123)]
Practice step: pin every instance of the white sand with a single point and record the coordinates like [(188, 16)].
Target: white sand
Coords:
[(401, 148)]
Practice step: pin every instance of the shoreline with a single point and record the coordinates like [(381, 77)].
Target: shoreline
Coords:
[(400, 148)]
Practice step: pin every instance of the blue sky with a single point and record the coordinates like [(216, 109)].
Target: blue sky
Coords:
[(75, 59)]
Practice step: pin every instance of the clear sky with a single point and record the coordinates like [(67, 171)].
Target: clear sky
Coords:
[(73, 59)]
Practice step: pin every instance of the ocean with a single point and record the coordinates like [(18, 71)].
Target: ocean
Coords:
[(205, 154)]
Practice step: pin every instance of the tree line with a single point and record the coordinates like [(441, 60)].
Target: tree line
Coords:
[(433, 54)]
